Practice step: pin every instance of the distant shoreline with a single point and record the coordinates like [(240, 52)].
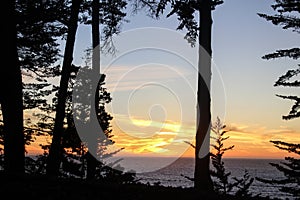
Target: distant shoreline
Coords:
[(185, 157)]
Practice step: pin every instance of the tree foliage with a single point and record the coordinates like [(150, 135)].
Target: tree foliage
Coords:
[(74, 149), (198, 30), (286, 14), (288, 18), (39, 25), (111, 16), (38, 30), (186, 15), (223, 182), (290, 168)]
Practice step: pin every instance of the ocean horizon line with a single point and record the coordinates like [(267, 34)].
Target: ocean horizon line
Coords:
[(182, 157)]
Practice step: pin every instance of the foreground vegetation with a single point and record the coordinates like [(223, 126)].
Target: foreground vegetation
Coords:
[(41, 187), (35, 49)]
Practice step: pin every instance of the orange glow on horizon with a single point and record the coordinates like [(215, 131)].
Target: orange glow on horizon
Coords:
[(248, 142)]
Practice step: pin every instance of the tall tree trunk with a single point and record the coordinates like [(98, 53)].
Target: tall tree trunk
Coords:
[(202, 179), (12, 103), (92, 146), (55, 152)]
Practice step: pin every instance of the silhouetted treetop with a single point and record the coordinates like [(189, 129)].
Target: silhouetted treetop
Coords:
[(149, 5), (185, 11), (287, 22), (288, 18), (290, 168), (38, 29), (290, 147), (286, 5), (286, 14), (293, 53), (111, 16), (282, 80)]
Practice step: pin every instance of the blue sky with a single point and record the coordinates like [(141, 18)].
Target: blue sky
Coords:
[(244, 82)]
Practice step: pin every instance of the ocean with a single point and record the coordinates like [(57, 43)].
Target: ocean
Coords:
[(173, 174)]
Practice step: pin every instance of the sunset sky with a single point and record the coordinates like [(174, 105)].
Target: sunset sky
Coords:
[(154, 91)]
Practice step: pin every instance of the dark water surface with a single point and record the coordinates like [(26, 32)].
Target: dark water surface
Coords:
[(172, 175)]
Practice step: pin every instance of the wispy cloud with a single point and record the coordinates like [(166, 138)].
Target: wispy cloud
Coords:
[(254, 141), (237, 128), (124, 78), (163, 141)]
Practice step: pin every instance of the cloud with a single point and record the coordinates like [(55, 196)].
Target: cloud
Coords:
[(168, 139), (281, 130), (254, 141), (153, 145), (124, 78), (160, 126), (237, 128), (166, 133)]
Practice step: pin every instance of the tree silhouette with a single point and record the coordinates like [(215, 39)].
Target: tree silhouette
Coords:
[(11, 101), (39, 26), (34, 34), (37, 49), (92, 145), (290, 169), (186, 10), (110, 23), (1, 142), (222, 183), (109, 15), (72, 143), (54, 156), (74, 148), (287, 18)]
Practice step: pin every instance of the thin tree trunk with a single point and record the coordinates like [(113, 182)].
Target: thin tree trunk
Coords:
[(92, 146), (54, 158), (12, 104), (202, 179)]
